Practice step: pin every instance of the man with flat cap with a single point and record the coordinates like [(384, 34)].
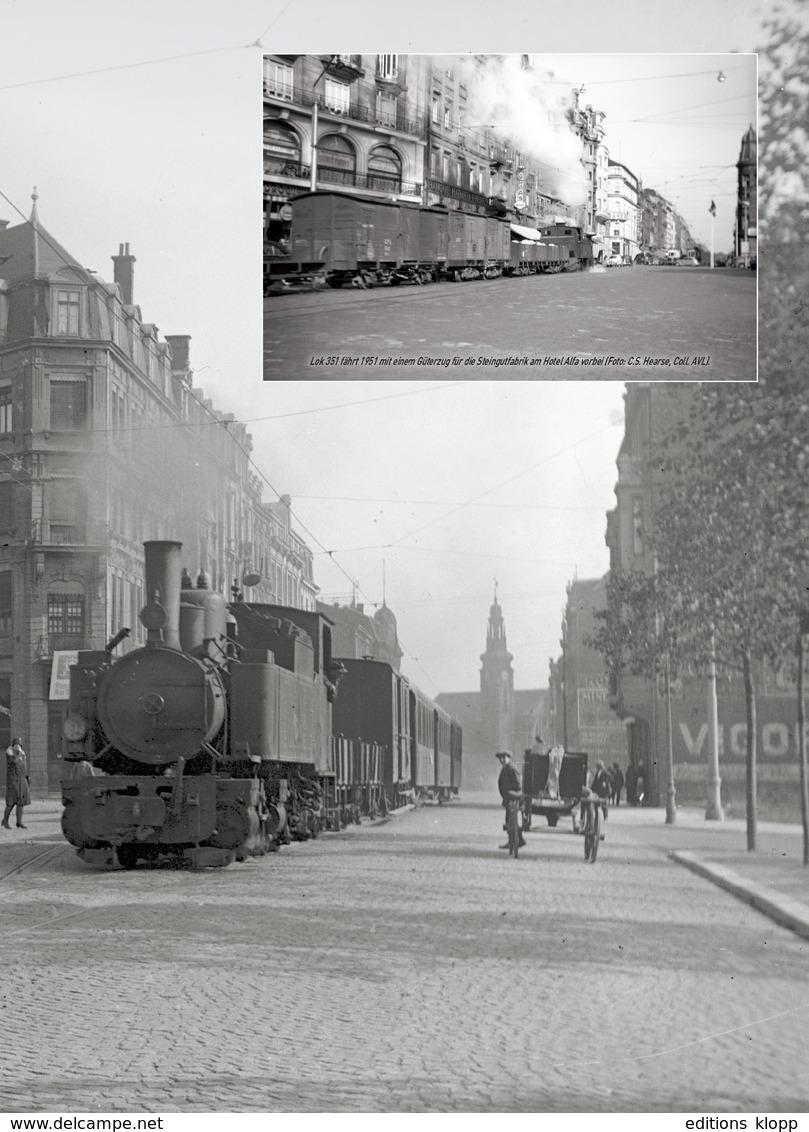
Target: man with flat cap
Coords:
[(508, 781)]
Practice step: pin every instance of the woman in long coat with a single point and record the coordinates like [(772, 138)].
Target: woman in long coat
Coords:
[(17, 791)]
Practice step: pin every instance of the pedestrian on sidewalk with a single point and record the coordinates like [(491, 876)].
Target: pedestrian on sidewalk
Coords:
[(631, 785), (617, 784), (18, 793)]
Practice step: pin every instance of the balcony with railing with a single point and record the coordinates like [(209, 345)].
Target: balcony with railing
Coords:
[(345, 178), (343, 67), (398, 121)]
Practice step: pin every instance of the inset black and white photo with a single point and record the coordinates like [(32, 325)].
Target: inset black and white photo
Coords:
[(522, 186)]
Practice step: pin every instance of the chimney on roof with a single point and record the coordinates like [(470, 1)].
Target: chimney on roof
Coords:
[(124, 272), (3, 225), (180, 352)]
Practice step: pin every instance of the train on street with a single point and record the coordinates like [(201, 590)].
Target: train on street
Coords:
[(347, 240), (216, 739)]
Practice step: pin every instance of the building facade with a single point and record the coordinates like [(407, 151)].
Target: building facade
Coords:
[(589, 125), (394, 127), (580, 716), (359, 636), (624, 224), (105, 443), (745, 233)]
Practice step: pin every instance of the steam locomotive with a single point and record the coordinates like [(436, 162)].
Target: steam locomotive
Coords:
[(346, 239), (214, 741)]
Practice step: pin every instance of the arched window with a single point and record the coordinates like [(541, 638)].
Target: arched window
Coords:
[(384, 169), (337, 162), (282, 150)]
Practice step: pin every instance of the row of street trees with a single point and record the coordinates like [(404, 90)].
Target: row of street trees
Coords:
[(730, 533)]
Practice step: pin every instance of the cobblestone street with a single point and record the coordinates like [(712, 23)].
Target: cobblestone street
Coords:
[(407, 965), (608, 321)]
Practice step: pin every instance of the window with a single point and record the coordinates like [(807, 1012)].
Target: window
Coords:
[(5, 601), (387, 66), (278, 79), (436, 109), (637, 526), (337, 160), (282, 150), (67, 511), (338, 96), (5, 409), (6, 505), (386, 106), (384, 169), (66, 615), (69, 404), (447, 117), (67, 312)]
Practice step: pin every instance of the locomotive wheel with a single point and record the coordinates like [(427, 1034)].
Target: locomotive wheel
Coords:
[(128, 856)]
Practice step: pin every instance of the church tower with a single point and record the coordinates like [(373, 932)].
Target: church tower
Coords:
[(746, 231), (496, 685)]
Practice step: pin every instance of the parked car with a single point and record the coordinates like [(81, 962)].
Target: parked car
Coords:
[(614, 261), (688, 261)]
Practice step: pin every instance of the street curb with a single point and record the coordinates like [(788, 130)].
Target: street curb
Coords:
[(789, 913)]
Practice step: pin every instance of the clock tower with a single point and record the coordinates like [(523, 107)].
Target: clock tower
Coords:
[(496, 685)]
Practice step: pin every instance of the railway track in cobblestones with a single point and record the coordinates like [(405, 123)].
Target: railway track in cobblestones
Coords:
[(35, 862)]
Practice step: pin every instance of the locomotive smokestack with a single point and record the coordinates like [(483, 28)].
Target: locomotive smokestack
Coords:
[(163, 582)]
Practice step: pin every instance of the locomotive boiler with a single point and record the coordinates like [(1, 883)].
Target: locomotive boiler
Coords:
[(210, 742)]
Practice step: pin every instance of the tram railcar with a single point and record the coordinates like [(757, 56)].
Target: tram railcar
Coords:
[(212, 741), (364, 243), (421, 745)]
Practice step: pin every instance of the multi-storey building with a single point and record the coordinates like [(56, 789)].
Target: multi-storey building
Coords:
[(105, 443), (624, 224), (589, 125), (579, 714), (395, 127), (359, 636), (745, 233), (352, 122)]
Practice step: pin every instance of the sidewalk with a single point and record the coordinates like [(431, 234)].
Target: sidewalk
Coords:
[(773, 878)]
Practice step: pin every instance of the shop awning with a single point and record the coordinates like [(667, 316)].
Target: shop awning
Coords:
[(526, 233)]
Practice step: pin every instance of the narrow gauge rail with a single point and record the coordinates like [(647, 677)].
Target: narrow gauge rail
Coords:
[(347, 240)]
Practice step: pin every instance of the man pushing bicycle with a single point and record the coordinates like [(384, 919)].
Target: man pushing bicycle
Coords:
[(508, 783)]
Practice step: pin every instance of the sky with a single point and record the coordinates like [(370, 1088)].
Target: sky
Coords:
[(142, 124), (671, 121)]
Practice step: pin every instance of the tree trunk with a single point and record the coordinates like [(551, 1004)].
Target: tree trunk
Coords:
[(750, 706)]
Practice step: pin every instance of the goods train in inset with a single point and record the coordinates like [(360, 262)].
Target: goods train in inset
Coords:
[(214, 741), (348, 240)]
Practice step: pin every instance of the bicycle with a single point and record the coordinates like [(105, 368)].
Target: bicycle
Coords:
[(592, 822)]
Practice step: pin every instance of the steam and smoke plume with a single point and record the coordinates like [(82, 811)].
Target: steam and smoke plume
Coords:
[(531, 112)]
